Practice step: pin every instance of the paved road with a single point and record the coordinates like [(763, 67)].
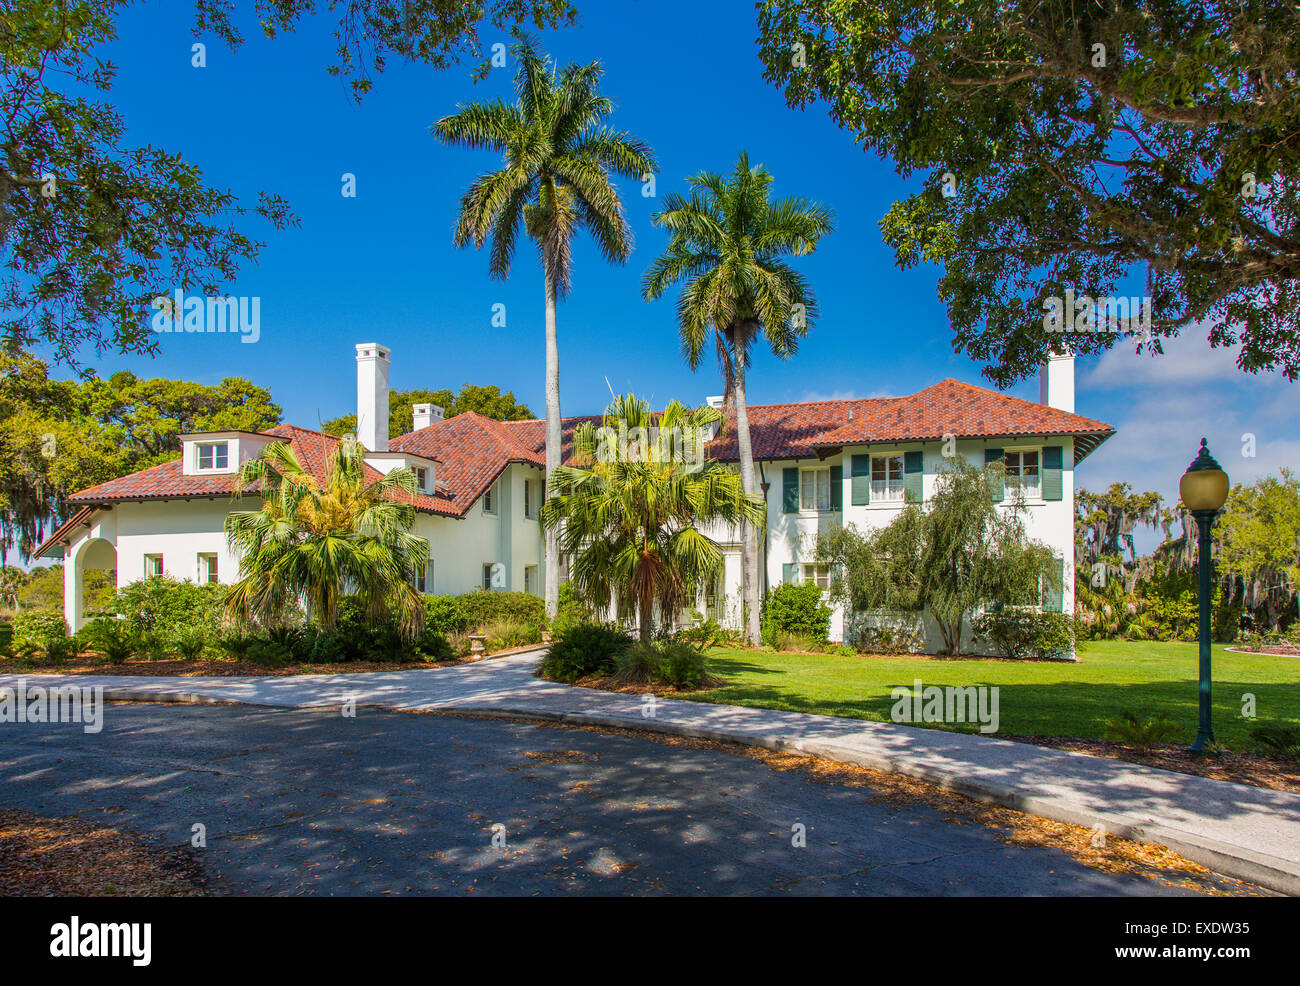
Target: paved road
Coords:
[(309, 802)]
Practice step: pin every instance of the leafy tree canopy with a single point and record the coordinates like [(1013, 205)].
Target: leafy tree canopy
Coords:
[(487, 401), (1069, 146), (60, 436)]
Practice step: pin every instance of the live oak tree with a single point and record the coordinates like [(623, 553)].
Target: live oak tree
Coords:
[(60, 436), (1067, 145), (1259, 543)]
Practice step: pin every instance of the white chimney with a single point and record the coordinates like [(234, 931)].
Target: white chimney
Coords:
[(715, 401), (372, 396), (1056, 382), (425, 415)]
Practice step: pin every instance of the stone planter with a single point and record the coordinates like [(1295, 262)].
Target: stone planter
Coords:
[(477, 648), (546, 636)]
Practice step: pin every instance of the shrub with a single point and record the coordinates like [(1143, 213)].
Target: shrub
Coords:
[(507, 632), (269, 653), (584, 650), (571, 610), (1143, 733), (237, 646), (61, 649), (435, 647), (868, 635), (703, 635), (173, 611), (111, 637), (639, 664), (190, 644), (476, 610), (684, 667), (1277, 737), (799, 642), (795, 609), (1021, 634), (38, 628), (361, 639)]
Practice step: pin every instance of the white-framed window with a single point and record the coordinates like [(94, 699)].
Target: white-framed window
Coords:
[(530, 579), (213, 455), (530, 501), (208, 567), (887, 477), (815, 489), (494, 576), (421, 478), (490, 500), (818, 574), (1024, 466), (153, 565)]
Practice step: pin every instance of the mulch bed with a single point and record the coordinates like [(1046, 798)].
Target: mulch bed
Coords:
[(66, 857), (1257, 770), (1280, 650)]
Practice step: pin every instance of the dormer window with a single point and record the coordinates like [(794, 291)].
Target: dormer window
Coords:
[(422, 478), (213, 455)]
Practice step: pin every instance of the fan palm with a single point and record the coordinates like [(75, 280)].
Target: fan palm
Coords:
[(312, 541), (631, 512), (558, 156), (726, 245)]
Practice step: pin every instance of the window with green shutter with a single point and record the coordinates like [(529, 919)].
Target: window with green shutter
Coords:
[(1053, 466), (789, 573), (996, 483), (790, 490), (1054, 595), (913, 476), (860, 481), (837, 487)]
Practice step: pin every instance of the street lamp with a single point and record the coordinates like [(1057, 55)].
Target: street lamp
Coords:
[(1204, 488)]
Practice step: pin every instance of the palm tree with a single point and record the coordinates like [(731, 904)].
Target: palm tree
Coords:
[(312, 541), (558, 156), (12, 582), (727, 243), (631, 520)]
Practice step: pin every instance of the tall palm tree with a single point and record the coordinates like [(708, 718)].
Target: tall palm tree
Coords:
[(631, 512), (558, 157), (313, 541), (727, 245)]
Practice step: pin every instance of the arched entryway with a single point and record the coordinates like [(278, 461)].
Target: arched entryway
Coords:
[(94, 555)]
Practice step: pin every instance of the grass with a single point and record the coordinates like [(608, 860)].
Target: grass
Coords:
[(1035, 698)]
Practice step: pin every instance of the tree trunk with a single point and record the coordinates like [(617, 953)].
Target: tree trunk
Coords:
[(647, 623), (750, 570), (553, 441)]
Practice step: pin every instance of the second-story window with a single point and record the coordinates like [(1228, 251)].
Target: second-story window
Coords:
[(815, 489), (214, 455), (421, 478), (886, 477), (490, 500), (1022, 465)]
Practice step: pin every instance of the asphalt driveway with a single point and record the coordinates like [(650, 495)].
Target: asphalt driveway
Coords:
[(310, 802)]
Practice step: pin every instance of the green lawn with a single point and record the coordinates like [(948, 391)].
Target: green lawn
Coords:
[(1042, 698)]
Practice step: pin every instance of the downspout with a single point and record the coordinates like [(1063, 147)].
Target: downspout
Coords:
[(767, 530)]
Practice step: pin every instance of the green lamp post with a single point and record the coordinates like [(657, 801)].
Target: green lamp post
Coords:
[(1204, 488)]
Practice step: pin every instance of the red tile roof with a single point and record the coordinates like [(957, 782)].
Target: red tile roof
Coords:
[(950, 407), (473, 450)]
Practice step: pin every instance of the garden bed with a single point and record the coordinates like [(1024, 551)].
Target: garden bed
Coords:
[(1280, 650), (216, 667), (66, 857)]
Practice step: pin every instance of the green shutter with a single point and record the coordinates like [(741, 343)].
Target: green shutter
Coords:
[(860, 470), (996, 484), (913, 475), (1054, 596), (1052, 466), (837, 487), (790, 491), (789, 573)]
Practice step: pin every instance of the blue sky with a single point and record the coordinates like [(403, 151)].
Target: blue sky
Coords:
[(685, 77)]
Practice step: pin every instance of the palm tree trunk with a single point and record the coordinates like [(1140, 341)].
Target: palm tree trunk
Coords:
[(750, 573), (553, 440)]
